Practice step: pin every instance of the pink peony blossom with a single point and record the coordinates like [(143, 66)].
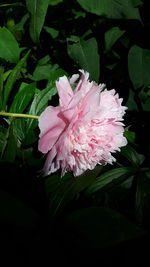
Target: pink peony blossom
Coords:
[(84, 129)]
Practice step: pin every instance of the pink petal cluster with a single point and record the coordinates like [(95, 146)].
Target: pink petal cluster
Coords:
[(84, 129)]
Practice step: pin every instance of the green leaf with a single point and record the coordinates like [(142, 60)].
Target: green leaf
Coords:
[(111, 8), (110, 178), (111, 37), (9, 149), (139, 66), (11, 4), (42, 72), (61, 191), (44, 60), (54, 2), (131, 103), (39, 103), (23, 98), (38, 10), (19, 130), (131, 155), (130, 136), (1, 86), (20, 26), (9, 48), (85, 54), (13, 77), (3, 132), (98, 227), (54, 33), (145, 99), (137, 3)]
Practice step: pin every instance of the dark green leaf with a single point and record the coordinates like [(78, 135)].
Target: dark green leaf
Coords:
[(38, 10), (3, 132), (110, 178), (42, 72), (137, 3), (131, 104), (54, 33), (54, 2), (130, 136), (139, 66), (60, 191), (19, 130), (9, 148), (145, 99), (20, 25), (111, 8), (9, 48), (111, 36), (39, 103), (1, 86), (43, 61), (98, 227), (11, 4), (130, 154), (13, 77), (85, 54), (23, 98)]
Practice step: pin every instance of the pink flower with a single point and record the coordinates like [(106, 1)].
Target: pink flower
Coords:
[(84, 129)]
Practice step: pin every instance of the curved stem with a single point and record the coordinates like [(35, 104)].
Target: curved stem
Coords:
[(18, 115)]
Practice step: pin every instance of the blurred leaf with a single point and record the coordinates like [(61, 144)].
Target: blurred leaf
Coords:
[(19, 129), (39, 103), (78, 14), (85, 54), (3, 132), (43, 61), (139, 66), (1, 86), (98, 227), (130, 136), (111, 8), (54, 2), (9, 148), (137, 3), (110, 178), (145, 99), (9, 48), (111, 36), (20, 26), (11, 4), (54, 33), (38, 10), (6, 74), (131, 155), (23, 98), (131, 104), (42, 72), (60, 191), (13, 77), (143, 198)]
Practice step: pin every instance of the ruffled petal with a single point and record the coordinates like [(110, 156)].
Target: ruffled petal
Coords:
[(51, 126), (64, 90)]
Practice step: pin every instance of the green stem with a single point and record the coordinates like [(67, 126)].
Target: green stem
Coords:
[(18, 115)]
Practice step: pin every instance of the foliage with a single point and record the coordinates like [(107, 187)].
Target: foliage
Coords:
[(39, 42)]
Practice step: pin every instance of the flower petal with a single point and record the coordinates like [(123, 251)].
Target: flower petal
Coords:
[(64, 90), (51, 126)]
